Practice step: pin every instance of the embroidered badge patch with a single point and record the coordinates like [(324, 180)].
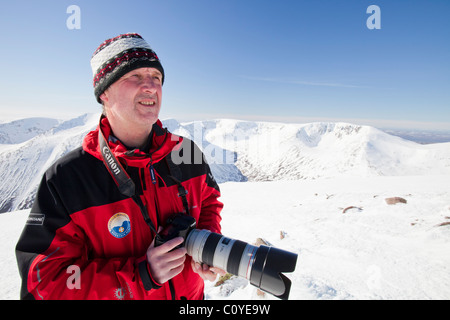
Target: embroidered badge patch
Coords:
[(119, 225)]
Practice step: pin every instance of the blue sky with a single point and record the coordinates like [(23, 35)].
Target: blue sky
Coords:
[(281, 60)]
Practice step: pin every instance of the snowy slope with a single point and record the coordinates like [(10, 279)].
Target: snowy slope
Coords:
[(375, 251), (265, 151), (22, 130), (30, 151), (236, 150), (372, 251)]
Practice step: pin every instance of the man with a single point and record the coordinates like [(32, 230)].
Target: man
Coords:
[(91, 230)]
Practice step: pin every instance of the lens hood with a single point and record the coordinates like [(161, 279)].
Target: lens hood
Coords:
[(269, 264)]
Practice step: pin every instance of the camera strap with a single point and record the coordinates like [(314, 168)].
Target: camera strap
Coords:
[(182, 193), (175, 175), (121, 178)]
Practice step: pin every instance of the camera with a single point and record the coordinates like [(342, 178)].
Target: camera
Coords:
[(262, 266)]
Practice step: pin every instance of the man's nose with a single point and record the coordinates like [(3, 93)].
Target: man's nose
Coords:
[(148, 84)]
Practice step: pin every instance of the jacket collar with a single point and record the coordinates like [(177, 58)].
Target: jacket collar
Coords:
[(162, 143)]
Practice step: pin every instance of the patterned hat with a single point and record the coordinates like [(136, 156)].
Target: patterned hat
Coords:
[(117, 56)]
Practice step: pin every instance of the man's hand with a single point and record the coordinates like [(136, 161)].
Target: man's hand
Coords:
[(164, 263), (206, 272)]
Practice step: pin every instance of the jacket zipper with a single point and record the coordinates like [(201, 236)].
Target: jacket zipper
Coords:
[(153, 180), (152, 171)]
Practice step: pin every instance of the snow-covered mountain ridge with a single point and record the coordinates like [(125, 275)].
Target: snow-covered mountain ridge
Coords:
[(236, 150), (278, 151)]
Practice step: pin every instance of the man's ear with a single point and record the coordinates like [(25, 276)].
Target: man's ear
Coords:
[(104, 97)]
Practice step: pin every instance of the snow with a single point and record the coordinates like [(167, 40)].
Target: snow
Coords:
[(23, 162), (236, 151), (22, 130), (295, 179), (264, 151), (12, 224), (379, 251)]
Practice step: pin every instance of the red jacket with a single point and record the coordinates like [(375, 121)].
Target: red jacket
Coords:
[(84, 239)]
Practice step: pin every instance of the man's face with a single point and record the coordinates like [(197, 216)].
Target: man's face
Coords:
[(134, 100)]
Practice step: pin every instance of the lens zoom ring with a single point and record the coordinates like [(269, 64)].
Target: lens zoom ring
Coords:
[(235, 257), (210, 248)]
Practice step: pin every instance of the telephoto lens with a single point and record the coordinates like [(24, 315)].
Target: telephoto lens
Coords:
[(262, 266)]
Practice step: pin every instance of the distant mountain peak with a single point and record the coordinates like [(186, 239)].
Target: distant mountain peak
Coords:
[(236, 150)]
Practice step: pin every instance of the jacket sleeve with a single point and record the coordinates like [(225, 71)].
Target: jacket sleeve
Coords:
[(53, 258)]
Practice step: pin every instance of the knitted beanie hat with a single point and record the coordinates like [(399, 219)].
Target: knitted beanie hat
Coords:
[(117, 56)]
